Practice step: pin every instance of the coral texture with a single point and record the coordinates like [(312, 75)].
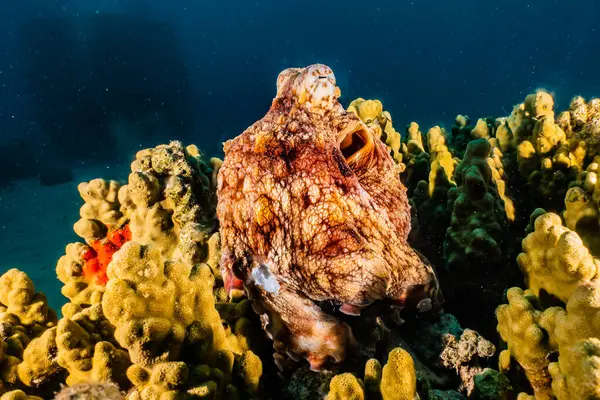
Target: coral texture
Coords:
[(315, 221)]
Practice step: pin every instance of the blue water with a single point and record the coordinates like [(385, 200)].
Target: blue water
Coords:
[(204, 70)]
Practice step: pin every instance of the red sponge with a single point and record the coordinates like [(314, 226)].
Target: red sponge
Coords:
[(100, 254)]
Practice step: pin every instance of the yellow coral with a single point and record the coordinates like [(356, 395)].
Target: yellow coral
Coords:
[(366, 110), (580, 320), (533, 122), (415, 138), (555, 259), (582, 216), (156, 305), (520, 124), (504, 137), (442, 161), (18, 395), (238, 324), (69, 269), (461, 120), (399, 378), (525, 396), (101, 209), (250, 370), (495, 163), (171, 201), (540, 104), (521, 326), (481, 129), (547, 136), (576, 331), (29, 331), (18, 296), (371, 113), (372, 378), (39, 360), (177, 317), (526, 158), (577, 373), (85, 349), (345, 387)]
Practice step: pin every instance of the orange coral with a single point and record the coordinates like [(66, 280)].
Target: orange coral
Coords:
[(100, 254)]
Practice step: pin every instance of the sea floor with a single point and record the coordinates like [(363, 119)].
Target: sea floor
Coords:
[(36, 224)]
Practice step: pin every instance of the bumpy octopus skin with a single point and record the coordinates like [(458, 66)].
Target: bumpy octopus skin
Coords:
[(311, 209)]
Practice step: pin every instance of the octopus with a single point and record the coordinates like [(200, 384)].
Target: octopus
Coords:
[(312, 211)]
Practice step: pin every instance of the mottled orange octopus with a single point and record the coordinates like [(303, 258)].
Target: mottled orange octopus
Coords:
[(311, 209)]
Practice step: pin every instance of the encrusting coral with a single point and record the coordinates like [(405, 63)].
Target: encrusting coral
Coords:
[(156, 309), (581, 122)]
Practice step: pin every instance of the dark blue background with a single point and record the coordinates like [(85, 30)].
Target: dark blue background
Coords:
[(204, 70)]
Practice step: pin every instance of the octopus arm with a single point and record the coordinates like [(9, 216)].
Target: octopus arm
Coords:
[(301, 329)]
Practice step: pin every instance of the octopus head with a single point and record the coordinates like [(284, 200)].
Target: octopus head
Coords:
[(313, 86)]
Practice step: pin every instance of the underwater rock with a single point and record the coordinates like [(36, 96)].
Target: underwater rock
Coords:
[(464, 355), (437, 394), (90, 391), (491, 385)]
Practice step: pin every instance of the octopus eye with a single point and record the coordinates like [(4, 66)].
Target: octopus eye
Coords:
[(357, 148), (424, 305)]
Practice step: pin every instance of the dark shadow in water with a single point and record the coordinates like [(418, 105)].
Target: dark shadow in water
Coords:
[(16, 160), (103, 86)]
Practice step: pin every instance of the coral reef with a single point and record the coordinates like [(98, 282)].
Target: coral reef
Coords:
[(311, 257), (111, 332)]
